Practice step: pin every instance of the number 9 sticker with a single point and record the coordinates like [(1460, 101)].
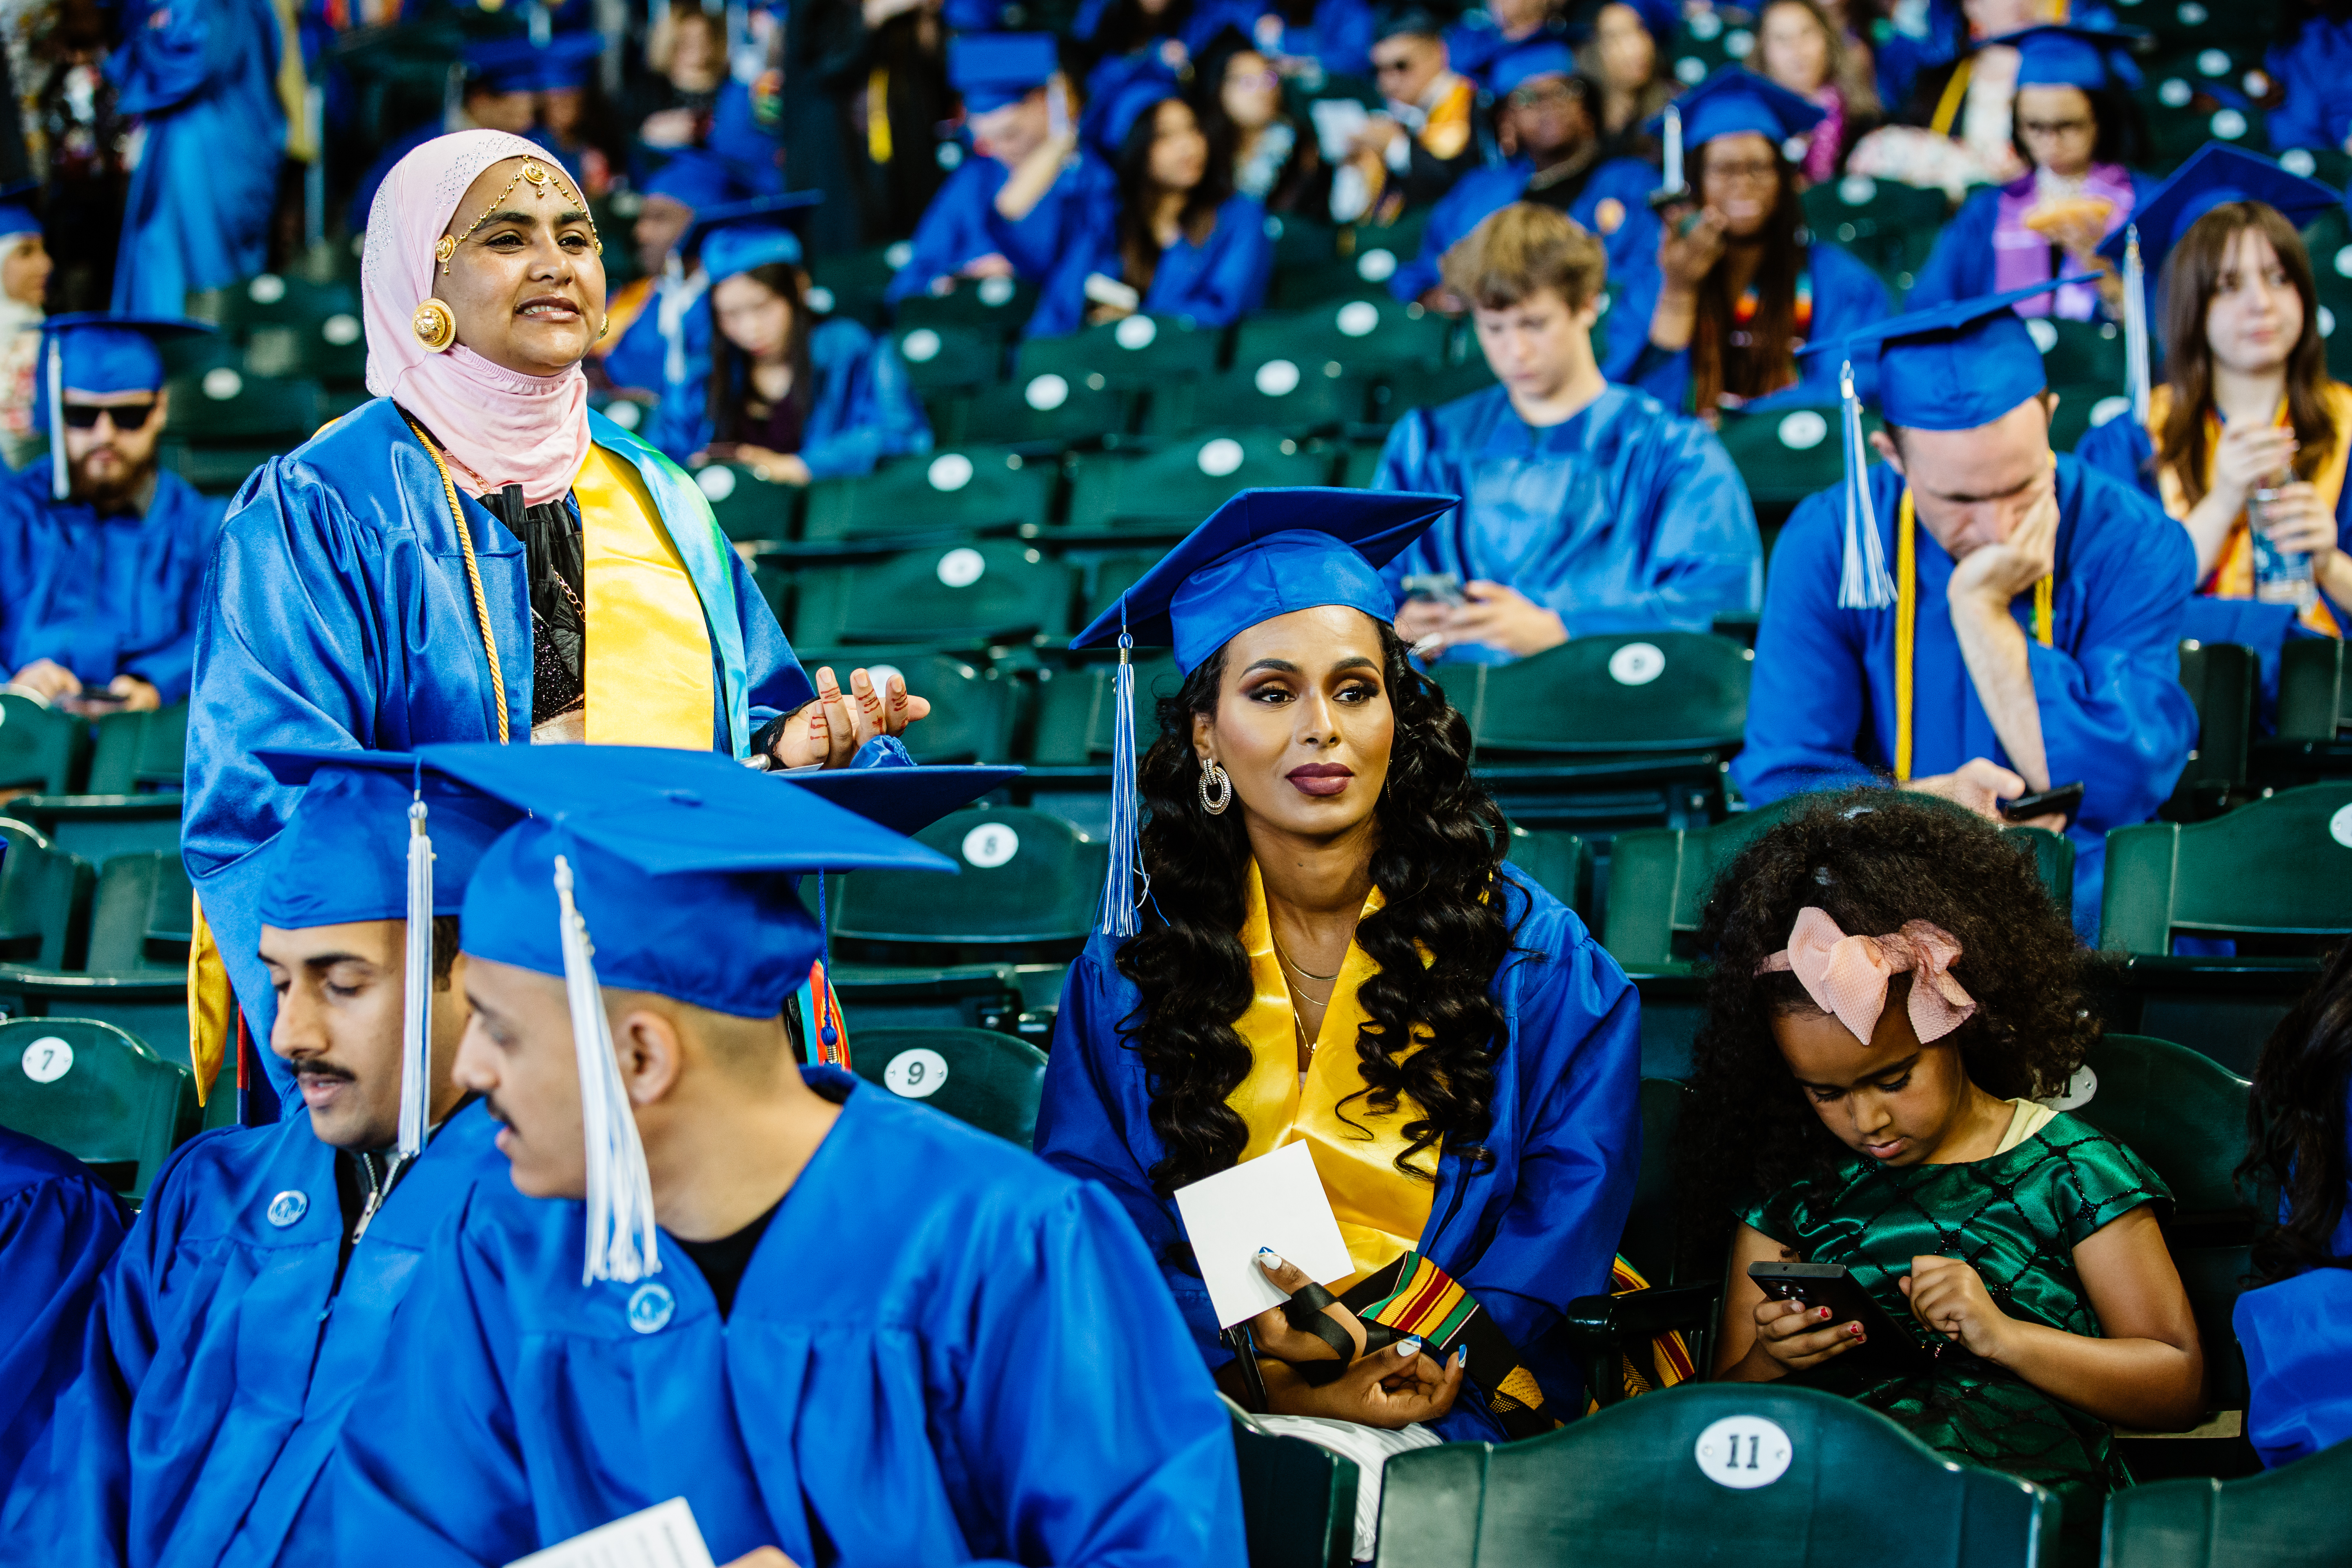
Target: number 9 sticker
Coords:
[(1744, 1452), (915, 1074)]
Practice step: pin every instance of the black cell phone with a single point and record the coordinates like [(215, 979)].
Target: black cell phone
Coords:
[(1885, 1342), (1443, 586), (2065, 800), (1662, 198)]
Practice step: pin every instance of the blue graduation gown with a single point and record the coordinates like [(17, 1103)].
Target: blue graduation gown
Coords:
[(1625, 518), (644, 358), (59, 1225), (205, 79), (1847, 296), (941, 1352), (962, 224), (863, 410), (1526, 1235), (1215, 282), (2316, 72), (337, 614), (1960, 267), (2297, 1337), (104, 596), (1820, 714), (224, 1356)]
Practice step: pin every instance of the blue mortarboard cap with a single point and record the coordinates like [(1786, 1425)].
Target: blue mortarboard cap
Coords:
[(973, 15), (1120, 111), (992, 70), (2093, 58), (1517, 67), (1736, 99), (750, 144), (695, 178), (100, 354), (504, 65), (903, 800), (16, 214), (736, 236), (2217, 173)]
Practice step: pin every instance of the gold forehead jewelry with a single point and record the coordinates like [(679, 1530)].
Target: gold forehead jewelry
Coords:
[(536, 174)]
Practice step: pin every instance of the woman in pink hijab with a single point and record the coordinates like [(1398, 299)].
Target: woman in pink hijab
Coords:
[(476, 554)]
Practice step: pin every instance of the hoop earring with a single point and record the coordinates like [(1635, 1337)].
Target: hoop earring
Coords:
[(1212, 774), (433, 325)]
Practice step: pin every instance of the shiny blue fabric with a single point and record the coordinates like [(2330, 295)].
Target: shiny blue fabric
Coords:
[(2315, 69), (337, 613), (863, 412), (204, 80), (2297, 1337), (935, 1389), (1846, 296), (1821, 712), (1960, 267), (223, 1354), (344, 855), (1482, 193), (1625, 518), (962, 224), (104, 596), (639, 358), (58, 1226), (1526, 1235), (1214, 283)]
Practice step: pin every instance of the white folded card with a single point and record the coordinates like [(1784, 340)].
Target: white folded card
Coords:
[(662, 1536), (1276, 1202)]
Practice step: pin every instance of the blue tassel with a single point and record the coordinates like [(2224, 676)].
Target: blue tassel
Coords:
[(1119, 917), (1864, 584)]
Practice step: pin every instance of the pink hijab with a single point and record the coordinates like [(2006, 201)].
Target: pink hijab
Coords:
[(504, 426)]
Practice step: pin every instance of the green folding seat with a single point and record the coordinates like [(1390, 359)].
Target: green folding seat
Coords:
[(2313, 736), (974, 707), (97, 1092), (1077, 710), (1358, 275), (1297, 399), (41, 748), (949, 359), (986, 1079), (98, 827), (1815, 1481), (220, 470), (1048, 409), (2293, 1517), (1785, 455), (142, 915), (995, 305), (1301, 241), (332, 349), (954, 493), (851, 283), (1029, 888), (2222, 680), (963, 595), (44, 901), (226, 407), (1363, 333), (2079, 353), (953, 996), (1559, 863), (1109, 575), (1360, 466), (1132, 354), (135, 754), (282, 299), (1653, 691), (1430, 388), (1170, 489), (749, 505), (1299, 1498), (1891, 227)]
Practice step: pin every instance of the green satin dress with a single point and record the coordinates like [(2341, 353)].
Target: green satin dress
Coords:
[(2016, 1217)]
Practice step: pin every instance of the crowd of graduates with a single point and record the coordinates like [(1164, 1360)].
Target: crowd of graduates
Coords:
[(555, 1201)]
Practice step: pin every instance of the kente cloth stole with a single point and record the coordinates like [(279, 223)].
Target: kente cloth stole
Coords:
[(649, 675), (1906, 624), (2233, 576)]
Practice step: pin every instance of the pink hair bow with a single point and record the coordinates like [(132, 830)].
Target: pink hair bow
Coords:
[(1846, 976)]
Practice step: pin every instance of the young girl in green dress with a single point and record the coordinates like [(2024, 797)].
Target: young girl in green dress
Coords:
[(1891, 988)]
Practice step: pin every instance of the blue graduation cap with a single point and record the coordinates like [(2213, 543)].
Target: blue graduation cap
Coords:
[(1518, 67), (743, 131), (695, 178), (1949, 367), (686, 864), (736, 236), (1108, 121), (505, 64), (992, 70), (973, 15), (904, 800), (100, 354), (16, 214), (2216, 174), (375, 838), (2093, 58), (1736, 99), (1264, 553)]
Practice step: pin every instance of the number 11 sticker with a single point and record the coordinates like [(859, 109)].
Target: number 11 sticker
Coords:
[(1744, 1452)]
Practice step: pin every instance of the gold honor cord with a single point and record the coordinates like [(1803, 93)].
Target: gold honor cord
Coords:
[(1906, 624), (474, 573)]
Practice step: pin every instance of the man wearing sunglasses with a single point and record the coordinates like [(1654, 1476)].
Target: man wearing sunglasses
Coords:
[(103, 552), (1411, 151)]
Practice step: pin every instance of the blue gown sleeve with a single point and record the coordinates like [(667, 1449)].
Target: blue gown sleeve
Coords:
[(777, 684), (169, 55), (169, 664), (1238, 266), (2315, 112), (1062, 302), (2297, 1337), (1704, 555), (55, 1238), (952, 232), (2121, 449), (1960, 265), (865, 410), (1807, 702)]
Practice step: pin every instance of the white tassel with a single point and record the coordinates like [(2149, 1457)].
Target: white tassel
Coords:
[(2136, 366), (1118, 912), (417, 1005), (61, 486), (621, 1244), (1865, 582), (1670, 153)]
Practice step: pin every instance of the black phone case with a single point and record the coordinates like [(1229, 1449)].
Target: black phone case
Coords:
[(1886, 1344)]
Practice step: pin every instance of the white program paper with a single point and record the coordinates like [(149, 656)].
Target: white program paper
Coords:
[(662, 1536), (1276, 1201), (1337, 122)]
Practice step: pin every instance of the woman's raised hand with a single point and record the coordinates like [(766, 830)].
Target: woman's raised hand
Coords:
[(828, 732), (2248, 458), (1686, 256), (1276, 1338), (1793, 1334)]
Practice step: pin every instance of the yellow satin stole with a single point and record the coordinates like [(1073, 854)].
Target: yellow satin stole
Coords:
[(649, 676), (1382, 1211), (2233, 571)]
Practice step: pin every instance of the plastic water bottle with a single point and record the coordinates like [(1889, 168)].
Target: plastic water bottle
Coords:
[(2281, 576)]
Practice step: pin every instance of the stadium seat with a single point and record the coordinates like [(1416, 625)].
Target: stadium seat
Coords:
[(1133, 354), (1107, 575), (850, 284), (1298, 1499), (996, 305), (1648, 692), (282, 299), (41, 747), (954, 996), (964, 595), (948, 494), (1657, 1480), (98, 827), (1048, 410), (983, 1079), (2314, 711), (1030, 886), (142, 916), (2222, 680), (1786, 455), (748, 506), (1889, 228), (136, 754), (2293, 1517), (1298, 399), (97, 1093), (2080, 353), (1363, 334), (1078, 717), (226, 407), (1559, 863), (1170, 489), (44, 901), (1399, 392), (949, 359)]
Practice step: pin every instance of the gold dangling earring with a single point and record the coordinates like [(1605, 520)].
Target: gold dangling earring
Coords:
[(1211, 773), (603, 327), (433, 325)]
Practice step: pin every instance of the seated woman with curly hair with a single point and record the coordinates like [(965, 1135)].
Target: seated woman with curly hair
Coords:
[(1891, 987), (1320, 869)]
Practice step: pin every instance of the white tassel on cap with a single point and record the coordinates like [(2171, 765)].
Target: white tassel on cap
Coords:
[(2136, 367), (417, 993), (620, 1193), (1118, 912), (1670, 158), (61, 486), (1864, 584)]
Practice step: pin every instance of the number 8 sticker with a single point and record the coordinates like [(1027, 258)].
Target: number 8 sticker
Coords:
[(1744, 1452)]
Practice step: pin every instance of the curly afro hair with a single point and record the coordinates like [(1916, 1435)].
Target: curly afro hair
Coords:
[(1872, 858)]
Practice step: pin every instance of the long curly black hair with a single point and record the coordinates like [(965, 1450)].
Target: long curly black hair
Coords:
[(1441, 844), (1872, 858), (2295, 1131)]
